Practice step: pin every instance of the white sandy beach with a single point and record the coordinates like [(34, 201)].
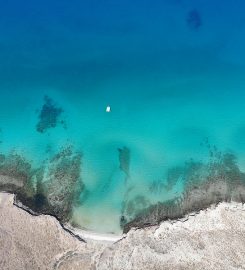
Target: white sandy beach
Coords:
[(90, 235)]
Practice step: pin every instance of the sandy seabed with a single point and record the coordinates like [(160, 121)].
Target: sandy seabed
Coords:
[(211, 239)]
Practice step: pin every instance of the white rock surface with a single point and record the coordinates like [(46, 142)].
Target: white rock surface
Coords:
[(211, 239)]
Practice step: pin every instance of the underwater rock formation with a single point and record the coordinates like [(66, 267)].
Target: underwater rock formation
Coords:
[(63, 185), (51, 189), (49, 116), (194, 20)]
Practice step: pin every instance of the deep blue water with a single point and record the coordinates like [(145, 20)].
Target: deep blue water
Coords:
[(171, 71)]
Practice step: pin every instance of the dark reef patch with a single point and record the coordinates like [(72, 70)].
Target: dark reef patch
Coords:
[(51, 189), (49, 116), (194, 20), (39, 200), (63, 185)]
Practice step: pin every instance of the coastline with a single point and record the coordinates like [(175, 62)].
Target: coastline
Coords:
[(205, 196), (213, 238), (110, 238), (82, 235)]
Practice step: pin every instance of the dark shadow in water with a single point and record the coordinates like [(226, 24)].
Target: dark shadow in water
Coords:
[(124, 159), (49, 116), (194, 20), (39, 200)]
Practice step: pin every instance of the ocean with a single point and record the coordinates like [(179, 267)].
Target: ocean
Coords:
[(171, 71)]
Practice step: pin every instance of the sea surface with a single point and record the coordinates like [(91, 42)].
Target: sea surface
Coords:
[(171, 71)]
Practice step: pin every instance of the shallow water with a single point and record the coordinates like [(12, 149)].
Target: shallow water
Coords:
[(172, 73)]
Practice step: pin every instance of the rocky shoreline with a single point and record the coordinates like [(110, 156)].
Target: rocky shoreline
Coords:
[(211, 239), (193, 201), (56, 187), (182, 233)]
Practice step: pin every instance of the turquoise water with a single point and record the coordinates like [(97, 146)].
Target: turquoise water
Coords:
[(172, 73)]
